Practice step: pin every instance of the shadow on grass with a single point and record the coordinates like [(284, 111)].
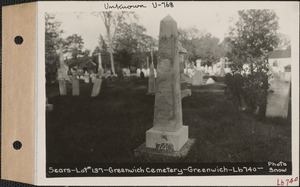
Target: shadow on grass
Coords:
[(107, 128)]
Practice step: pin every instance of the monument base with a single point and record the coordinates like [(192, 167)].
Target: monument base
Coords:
[(143, 151), (174, 140), (152, 93)]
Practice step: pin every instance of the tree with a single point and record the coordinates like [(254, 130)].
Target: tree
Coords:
[(112, 22), (251, 40), (209, 49), (200, 45), (284, 41), (52, 41), (74, 45), (133, 45), (189, 39), (254, 36), (102, 49)]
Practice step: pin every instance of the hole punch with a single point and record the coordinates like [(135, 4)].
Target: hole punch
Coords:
[(17, 145), (19, 40)]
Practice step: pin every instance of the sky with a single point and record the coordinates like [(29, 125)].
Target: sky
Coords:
[(214, 21)]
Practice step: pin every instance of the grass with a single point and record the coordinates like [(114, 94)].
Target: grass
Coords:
[(107, 128)]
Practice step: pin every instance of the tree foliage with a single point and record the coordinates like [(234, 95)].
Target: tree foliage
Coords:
[(52, 41), (112, 21), (133, 45), (284, 41), (189, 39), (126, 41), (254, 36), (74, 45), (102, 48), (209, 49), (250, 41), (200, 45)]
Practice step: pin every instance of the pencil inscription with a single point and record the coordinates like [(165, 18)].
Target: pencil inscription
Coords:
[(121, 6)]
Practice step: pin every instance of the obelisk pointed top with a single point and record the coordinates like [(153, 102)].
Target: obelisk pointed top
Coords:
[(168, 18), (168, 26)]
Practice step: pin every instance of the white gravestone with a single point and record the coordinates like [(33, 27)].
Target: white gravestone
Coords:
[(185, 71), (62, 87), (215, 69), (93, 77), (210, 70), (138, 72), (185, 92), (222, 68), (96, 87), (75, 86), (86, 77), (62, 73), (124, 71), (151, 80), (167, 125), (278, 100), (151, 54), (206, 69), (127, 72), (198, 64), (99, 62), (75, 83), (197, 78), (210, 81)]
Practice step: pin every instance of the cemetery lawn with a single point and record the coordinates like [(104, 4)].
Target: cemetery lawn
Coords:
[(107, 128)]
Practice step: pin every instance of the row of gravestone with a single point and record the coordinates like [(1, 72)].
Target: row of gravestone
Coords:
[(168, 128), (197, 79), (145, 72), (126, 72), (76, 87), (216, 69)]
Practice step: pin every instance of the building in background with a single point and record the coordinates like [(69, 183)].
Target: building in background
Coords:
[(280, 63)]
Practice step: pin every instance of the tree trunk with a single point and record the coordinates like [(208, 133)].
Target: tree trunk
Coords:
[(263, 106), (262, 109), (112, 62), (110, 50)]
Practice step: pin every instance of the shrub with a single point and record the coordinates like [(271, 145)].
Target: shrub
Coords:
[(214, 78), (234, 89), (250, 90)]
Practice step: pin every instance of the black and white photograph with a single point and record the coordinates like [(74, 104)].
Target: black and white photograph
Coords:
[(191, 91)]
